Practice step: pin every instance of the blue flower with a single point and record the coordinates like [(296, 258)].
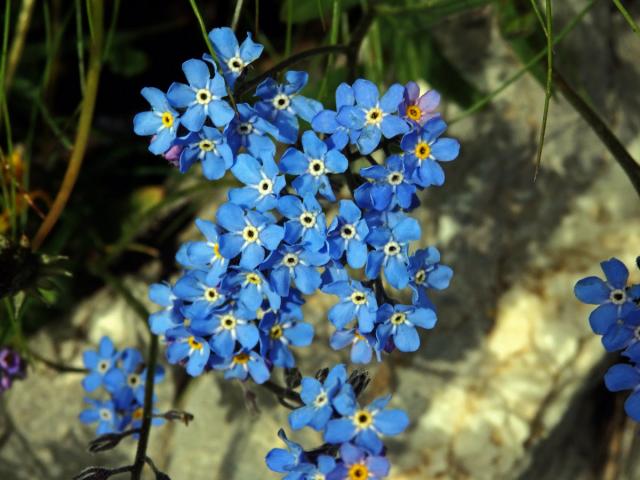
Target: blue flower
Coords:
[(170, 316), (127, 383), (204, 254), (306, 221), (281, 104), (233, 57), (324, 466), (362, 344), (615, 300), (262, 180), (364, 425), (326, 121), (286, 461), (230, 326), (209, 147), (278, 332), (298, 264), (347, 233), (626, 377), (372, 116), (99, 363), (184, 346), (161, 122), (391, 186), (427, 272), (313, 165), (249, 130), (202, 97), (423, 150), (624, 333), (244, 364), (252, 288), (357, 463), (195, 286), (400, 321), (391, 250), (317, 398), (103, 412), (356, 301), (249, 234)]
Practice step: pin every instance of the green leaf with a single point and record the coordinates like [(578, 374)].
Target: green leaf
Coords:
[(305, 10)]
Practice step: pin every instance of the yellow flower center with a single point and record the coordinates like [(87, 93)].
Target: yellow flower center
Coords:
[(194, 344), (167, 119), (275, 332), (362, 419), (422, 150), (211, 294), (137, 413), (398, 318), (358, 298), (253, 278), (414, 112), (228, 322), (420, 277), (241, 358), (358, 472), (205, 145), (374, 116), (216, 251)]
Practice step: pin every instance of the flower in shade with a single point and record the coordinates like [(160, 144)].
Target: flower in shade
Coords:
[(263, 184), (282, 104), (202, 97), (233, 57), (423, 150), (399, 323), (347, 233), (126, 384), (614, 299), (363, 426), (244, 364), (419, 108), (371, 116), (103, 412), (286, 461), (278, 332), (249, 234), (209, 147), (12, 367), (357, 464), (305, 220), (624, 333), (312, 166), (99, 363), (391, 185), (161, 122), (251, 288), (326, 121), (249, 130), (317, 397), (391, 250), (426, 272), (626, 377), (356, 301), (362, 344)]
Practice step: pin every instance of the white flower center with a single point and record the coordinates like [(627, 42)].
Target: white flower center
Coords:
[(235, 64), (265, 187), (348, 231), (290, 260), (358, 298), (420, 277), (245, 128), (395, 178), (281, 101), (133, 380), (321, 400), (211, 294), (105, 414), (618, 296), (203, 96), (308, 219), (374, 116), (250, 234), (316, 167), (103, 366), (228, 322), (398, 318), (391, 248)]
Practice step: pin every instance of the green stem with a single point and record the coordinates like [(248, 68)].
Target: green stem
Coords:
[(84, 128), (627, 16), (547, 96), (236, 14)]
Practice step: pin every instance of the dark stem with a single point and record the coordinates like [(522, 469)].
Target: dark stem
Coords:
[(356, 41), (282, 392), (600, 128), (141, 453), (249, 85), (58, 367)]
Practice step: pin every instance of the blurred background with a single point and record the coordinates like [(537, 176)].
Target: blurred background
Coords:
[(509, 383)]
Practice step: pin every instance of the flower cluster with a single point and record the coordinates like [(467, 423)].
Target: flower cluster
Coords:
[(617, 319), (237, 305), (122, 375), (12, 367), (351, 431)]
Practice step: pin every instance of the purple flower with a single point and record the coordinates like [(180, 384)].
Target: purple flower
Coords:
[(418, 108)]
